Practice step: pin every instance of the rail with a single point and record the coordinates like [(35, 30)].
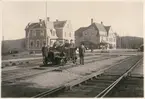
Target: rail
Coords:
[(109, 88)]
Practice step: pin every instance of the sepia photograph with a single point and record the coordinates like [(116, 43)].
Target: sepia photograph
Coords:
[(72, 49)]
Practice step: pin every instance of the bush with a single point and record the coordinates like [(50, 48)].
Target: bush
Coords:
[(13, 64), (27, 62), (6, 64)]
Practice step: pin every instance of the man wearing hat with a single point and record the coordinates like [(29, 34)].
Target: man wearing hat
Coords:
[(45, 53), (72, 51), (81, 53)]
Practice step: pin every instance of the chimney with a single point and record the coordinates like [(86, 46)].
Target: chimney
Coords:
[(48, 19), (92, 21), (56, 20), (101, 22)]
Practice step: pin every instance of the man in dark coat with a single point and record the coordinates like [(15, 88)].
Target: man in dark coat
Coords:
[(45, 53), (81, 53), (73, 51), (66, 49)]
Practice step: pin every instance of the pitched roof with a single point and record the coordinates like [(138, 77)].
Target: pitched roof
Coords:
[(30, 25), (50, 25), (107, 28), (59, 24), (100, 27), (80, 31), (35, 25)]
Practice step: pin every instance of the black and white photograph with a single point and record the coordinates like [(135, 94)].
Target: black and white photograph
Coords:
[(72, 49)]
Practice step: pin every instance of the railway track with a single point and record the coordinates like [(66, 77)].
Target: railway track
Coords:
[(97, 84), (32, 59), (40, 62), (36, 71)]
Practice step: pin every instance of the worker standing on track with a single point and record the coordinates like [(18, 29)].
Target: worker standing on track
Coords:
[(81, 53), (45, 53), (66, 48), (72, 51)]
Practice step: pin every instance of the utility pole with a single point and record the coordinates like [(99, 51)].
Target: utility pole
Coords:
[(3, 41), (46, 21), (3, 38)]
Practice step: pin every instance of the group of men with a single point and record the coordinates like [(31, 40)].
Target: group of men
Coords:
[(69, 48)]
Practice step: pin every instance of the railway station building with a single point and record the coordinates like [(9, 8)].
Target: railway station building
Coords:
[(96, 34), (46, 31)]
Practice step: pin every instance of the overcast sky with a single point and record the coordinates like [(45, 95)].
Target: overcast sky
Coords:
[(126, 18)]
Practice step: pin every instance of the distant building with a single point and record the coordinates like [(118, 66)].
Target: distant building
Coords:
[(129, 42), (64, 30), (95, 34), (46, 32)]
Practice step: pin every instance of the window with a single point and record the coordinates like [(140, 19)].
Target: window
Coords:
[(43, 42), (53, 33), (37, 31), (37, 43), (31, 43), (102, 38), (51, 43), (70, 34), (33, 33), (47, 40), (41, 33)]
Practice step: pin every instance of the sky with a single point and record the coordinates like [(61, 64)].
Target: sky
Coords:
[(126, 18)]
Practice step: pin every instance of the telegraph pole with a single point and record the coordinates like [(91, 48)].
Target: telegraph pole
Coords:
[(46, 21), (3, 41), (3, 38), (3, 45)]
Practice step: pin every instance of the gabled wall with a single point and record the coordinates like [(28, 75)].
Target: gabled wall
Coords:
[(68, 31), (91, 35)]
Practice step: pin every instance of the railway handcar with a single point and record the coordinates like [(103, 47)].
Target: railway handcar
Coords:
[(60, 55)]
